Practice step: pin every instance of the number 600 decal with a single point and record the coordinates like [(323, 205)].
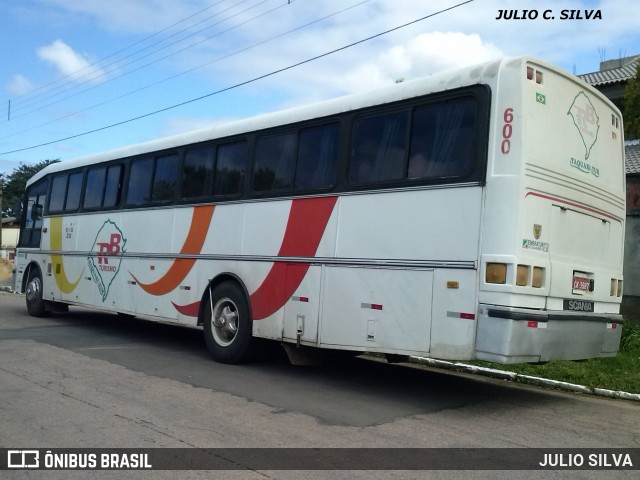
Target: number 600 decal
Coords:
[(507, 130)]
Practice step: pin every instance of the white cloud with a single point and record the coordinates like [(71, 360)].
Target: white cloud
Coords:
[(69, 62), (423, 55), (20, 85)]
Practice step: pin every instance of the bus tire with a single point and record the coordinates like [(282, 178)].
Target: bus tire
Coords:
[(227, 324), (33, 294)]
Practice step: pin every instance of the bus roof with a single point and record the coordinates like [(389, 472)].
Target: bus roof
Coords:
[(480, 73)]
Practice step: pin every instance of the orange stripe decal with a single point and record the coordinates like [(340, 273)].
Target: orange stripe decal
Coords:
[(181, 267)]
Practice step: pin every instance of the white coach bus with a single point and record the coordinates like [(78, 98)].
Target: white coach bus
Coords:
[(475, 214)]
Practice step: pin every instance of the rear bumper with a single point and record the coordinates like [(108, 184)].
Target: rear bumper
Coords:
[(518, 335)]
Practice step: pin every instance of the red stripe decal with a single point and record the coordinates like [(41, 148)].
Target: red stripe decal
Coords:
[(190, 310), (572, 204), (308, 219)]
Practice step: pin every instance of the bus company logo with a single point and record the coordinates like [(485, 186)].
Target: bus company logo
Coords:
[(587, 123), (104, 262), (537, 231)]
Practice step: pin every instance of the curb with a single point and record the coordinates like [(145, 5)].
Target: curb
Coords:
[(527, 379)]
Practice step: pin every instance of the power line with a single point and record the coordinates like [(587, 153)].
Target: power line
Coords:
[(71, 77), (117, 67), (237, 52), (246, 82)]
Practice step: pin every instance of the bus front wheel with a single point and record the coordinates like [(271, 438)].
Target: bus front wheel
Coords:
[(227, 324), (33, 294)]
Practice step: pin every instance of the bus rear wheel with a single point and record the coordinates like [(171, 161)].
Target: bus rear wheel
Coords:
[(227, 324), (33, 294)]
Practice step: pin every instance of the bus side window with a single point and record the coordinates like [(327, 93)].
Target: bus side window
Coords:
[(94, 189), (164, 180), (442, 140), (58, 192), (197, 172), (113, 187), (231, 165), (139, 187), (274, 162), (103, 187), (317, 156), (378, 148), (73, 192)]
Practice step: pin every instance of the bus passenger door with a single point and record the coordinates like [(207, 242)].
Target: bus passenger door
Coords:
[(31, 228), (301, 312)]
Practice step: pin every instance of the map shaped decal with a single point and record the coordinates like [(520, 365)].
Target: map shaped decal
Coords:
[(586, 121), (106, 256)]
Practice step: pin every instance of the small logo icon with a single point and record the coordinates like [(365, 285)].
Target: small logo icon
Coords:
[(104, 263), (537, 231), (23, 459), (540, 98)]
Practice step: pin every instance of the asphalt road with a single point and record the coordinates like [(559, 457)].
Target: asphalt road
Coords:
[(91, 379)]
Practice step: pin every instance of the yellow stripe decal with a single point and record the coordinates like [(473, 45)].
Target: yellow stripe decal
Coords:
[(64, 284)]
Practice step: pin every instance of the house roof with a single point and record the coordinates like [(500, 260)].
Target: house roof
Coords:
[(614, 75), (632, 158)]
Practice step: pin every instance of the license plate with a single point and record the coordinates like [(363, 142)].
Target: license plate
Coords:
[(578, 305), (581, 283)]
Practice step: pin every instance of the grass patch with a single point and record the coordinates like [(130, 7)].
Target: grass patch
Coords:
[(621, 372)]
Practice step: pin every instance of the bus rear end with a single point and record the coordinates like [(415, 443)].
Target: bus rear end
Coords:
[(552, 252)]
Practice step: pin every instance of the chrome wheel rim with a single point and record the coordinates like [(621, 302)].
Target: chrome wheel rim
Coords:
[(33, 290), (224, 322)]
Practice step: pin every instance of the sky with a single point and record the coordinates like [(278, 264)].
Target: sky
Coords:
[(74, 66)]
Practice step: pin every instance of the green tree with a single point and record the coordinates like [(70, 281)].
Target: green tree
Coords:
[(632, 107), (13, 184)]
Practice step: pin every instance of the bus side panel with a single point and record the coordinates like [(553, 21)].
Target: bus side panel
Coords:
[(438, 224), (454, 314), (377, 309), (301, 312)]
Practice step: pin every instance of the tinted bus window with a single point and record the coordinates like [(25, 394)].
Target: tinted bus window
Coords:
[(197, 173), (139, 188), (113, 186), (73, 192), (378, 149), (164, 182), (103, 187), (231, 166), (317, 156), (95, 187), (274, 162), (58, 193), (442, 140)]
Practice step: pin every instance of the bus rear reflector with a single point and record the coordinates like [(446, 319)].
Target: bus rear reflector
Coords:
[(522, 275), (496, 273), (538, 277)]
